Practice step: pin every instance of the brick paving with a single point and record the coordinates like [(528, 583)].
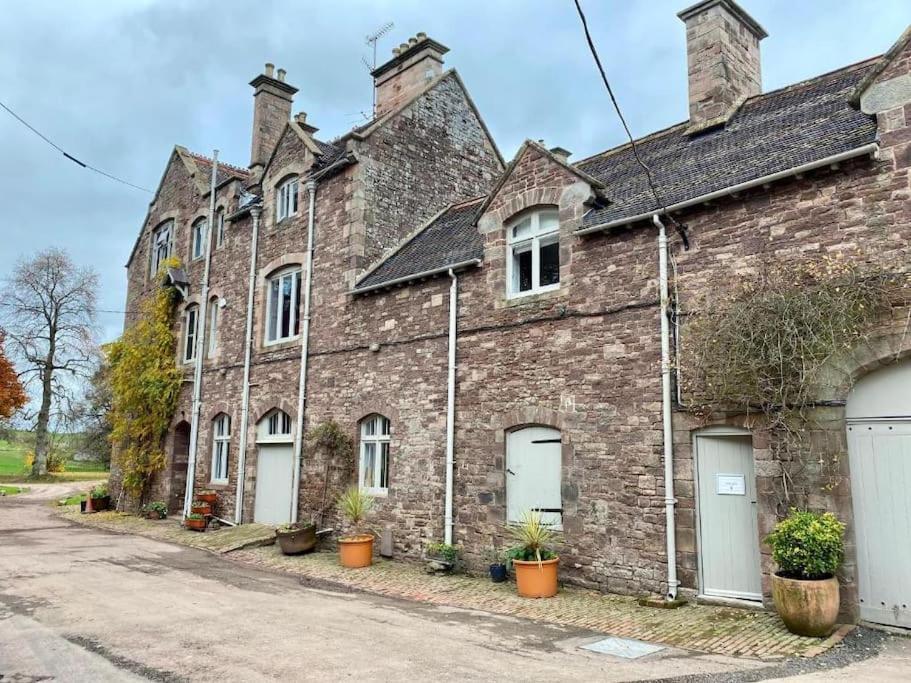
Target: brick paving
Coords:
[(700, 628)]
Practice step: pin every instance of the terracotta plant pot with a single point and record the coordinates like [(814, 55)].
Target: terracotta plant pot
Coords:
[(195, 524), (807, 608), (204, 509), (356, 551), (536, 579), (210, 498), (297, 541)]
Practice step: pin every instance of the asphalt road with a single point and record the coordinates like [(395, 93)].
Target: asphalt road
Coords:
[(79, 604)]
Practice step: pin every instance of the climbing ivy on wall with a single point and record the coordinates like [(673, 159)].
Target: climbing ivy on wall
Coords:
[(145, 384)]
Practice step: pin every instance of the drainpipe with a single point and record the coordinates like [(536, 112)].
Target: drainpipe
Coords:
[(669, 500), (450, 403), (255, 212), (200, 345), (305, 341)]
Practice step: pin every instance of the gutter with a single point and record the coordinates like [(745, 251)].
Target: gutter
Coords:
[(256, 212), (417, 276), (865, 150), (450, 404)]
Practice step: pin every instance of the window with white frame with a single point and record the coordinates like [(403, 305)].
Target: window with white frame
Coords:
[(219, 228), (198, 239), (279, 424), (162, 244), (373, 473), (190, 332), (221, 446), (282, 303), (286, 204), (534, 253), (212, 339)]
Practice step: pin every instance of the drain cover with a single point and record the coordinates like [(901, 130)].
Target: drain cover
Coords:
[(623, 647)]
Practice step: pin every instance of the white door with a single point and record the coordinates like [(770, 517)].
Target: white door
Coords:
[(729, 564), (533, 474), (274, 483)]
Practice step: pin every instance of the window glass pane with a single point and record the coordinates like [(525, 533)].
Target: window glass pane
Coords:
[(287, 285), (521, 269), (550, 264), (548, 221), (369, 465), (295, 304), (213, 327), (190, 342), (273, 423), (370, 427), (523, 229), (273, 310), (286, 423), (383, 479), (385, 426)]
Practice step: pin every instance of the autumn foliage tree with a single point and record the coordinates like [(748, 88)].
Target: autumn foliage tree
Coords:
[(12, 395)]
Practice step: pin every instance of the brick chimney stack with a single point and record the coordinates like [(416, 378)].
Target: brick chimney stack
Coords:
[(272, 99), (722, 52), (412, 66)]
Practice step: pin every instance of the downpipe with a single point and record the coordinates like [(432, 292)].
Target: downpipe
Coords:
[(668, 434), (450, 405)]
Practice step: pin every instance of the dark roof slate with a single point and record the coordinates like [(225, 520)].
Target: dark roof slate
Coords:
[(331, 152), (225, 171), (449, 239), (773, 132)]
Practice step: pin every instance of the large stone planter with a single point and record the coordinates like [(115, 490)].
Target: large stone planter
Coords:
[(807, 608), (297, 541)]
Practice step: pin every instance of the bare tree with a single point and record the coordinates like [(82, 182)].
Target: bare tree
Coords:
[(48, 305)]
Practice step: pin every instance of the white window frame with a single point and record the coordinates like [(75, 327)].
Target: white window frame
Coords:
[(274, 420), (286, 199), (219, 228), (376, 433), (198, 238), (162, 237), (537, 238), (212, 339), (293, 272), (190, 332), (221, 448)]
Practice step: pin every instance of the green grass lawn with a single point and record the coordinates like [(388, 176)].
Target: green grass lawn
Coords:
[(12, 463), (13, 490)]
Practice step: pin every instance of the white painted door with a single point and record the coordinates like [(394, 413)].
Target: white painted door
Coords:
[(274, 483), (880, 459), (728, 527), (533, 474)]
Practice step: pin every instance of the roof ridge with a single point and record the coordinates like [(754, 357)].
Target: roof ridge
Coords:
[(225, 164)]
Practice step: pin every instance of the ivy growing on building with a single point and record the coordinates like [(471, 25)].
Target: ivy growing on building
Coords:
[(145, 386)]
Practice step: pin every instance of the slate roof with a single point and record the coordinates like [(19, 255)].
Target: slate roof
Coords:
[(331, 152), (225, 171), (772, 132), (449, 239)]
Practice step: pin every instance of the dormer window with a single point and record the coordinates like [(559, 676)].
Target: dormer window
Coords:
[(286, 204), (198, 239), (533, 264), (162, 244)]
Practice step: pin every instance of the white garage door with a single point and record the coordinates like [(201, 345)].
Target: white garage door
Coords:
[(533, 473), (879, 449), (274, 483)]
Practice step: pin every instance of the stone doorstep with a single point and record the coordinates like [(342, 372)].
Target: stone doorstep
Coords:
[(699, 628)]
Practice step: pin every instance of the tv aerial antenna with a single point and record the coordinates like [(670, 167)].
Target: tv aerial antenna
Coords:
[(371, 41)]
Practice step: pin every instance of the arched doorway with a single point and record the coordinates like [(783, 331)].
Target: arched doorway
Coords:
[(274, 469), (879, 449), (180, 453)]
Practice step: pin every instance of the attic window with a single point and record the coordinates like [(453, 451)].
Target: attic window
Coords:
[(533, 265), (286, 204)]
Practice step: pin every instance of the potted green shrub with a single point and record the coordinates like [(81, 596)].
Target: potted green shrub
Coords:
[(155, 510), (101, 500), (497, 567), (442, 557), (532, 556), (195, 521), (808, 548), (201, 508), (356, 549), (296, 538)]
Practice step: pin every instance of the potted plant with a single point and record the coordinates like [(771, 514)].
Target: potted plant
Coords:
[(100, 498), (195, 521), (442, 557), (808, 548), (155, 510), (207, 496), (200, 508), (497, 566), (356, 549), (533, 560), (297, 538)]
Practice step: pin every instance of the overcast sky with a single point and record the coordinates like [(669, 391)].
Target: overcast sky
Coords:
[(117, 84)]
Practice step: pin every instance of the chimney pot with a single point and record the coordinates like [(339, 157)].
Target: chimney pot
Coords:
[(270, 69), (403, 47), (561, 153), (412, 66), (421, 36), (412, 41), (281, 75)]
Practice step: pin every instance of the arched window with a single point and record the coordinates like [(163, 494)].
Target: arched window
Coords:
[(221, 445), (162, 246), (212, 338), (276, 425), (373, 473), (219, 228), (190, 332), (286, 199), (533, 474), (198, 238), (533, 264), (282, 304)]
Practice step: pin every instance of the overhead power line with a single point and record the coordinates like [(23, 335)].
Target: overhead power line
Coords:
[(681, 229), (67, 154)]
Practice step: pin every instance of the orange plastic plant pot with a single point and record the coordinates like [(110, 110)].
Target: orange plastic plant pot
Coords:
[(536, 579), (355, 551)]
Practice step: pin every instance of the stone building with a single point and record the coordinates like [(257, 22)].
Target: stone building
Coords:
[(542, 277)]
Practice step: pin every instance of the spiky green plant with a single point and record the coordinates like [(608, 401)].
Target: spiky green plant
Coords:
[(355, 505), (533, 538)]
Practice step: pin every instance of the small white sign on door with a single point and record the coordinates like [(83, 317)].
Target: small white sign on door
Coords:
[(730, 485)]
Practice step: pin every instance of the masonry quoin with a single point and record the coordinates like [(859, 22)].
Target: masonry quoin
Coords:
[(493, 334)]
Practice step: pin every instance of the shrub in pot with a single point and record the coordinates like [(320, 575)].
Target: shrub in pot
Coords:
[(195, 521), (808, 548), (200, 508), (297, 538), (532, 557), (155, 510), (497, 568), (442, 557), (355, 549), (100, 498)]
